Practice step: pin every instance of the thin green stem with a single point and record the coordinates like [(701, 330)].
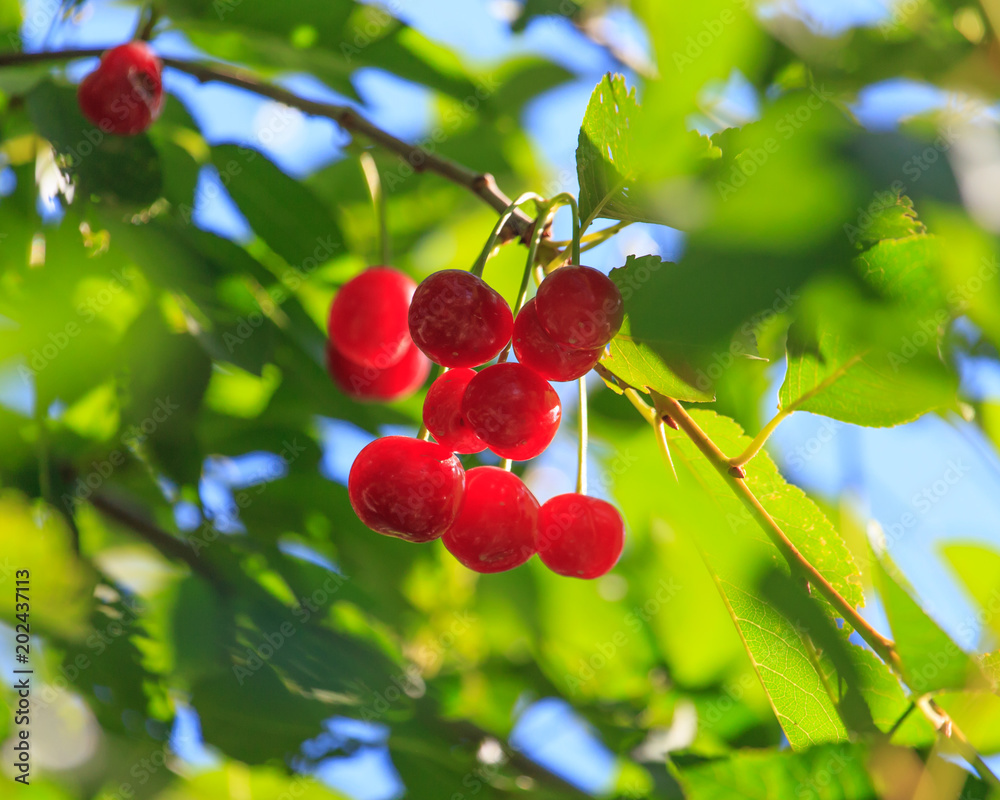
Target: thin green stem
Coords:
[(370, 170), (564, 198), (541, 223), (581, 467), (647, 411), (760, 439), (885, 648), (491, 242), (436, 373), (588, 242), (506, 464)]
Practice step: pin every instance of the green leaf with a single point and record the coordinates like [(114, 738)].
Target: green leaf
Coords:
[(978, 568), (739, 556), (830, 772), (125, 169), (610, 175), (603, 161), (259, 720), (648, 363), (257, 782), (298, 227), (694, 46), (328, 40), (532, 9), (890, 215), (864, 362), (37, 540), (906, 270), (930, 659)]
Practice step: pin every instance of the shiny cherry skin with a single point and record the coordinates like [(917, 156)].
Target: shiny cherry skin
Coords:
[(124, 95), (406, 488), (535, 349), (579, 536), (515, 411), (458, 320), (368, 321), (497, 525), (580, 307), (378, 385), (443, 412)]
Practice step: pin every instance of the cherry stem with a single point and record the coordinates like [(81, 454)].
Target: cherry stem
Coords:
[(566, 199), (424, 434), (581, 468), (541, 223), (506, 464), (491, 242), (370, 170), (760, 439)]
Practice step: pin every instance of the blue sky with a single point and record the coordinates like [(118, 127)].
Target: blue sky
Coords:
[(885, 470)]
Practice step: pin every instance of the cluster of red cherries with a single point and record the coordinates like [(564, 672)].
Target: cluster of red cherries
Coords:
[(124, 95), (384, 332)]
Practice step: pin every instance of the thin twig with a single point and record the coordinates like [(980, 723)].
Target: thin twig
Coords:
[(884, 647), (169, 545), (581, 467), (481, 184)]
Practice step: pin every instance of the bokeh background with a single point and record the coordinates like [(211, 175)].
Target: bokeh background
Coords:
[(670, 671)]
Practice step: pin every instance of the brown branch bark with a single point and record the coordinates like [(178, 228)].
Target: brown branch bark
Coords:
[(482, 184)]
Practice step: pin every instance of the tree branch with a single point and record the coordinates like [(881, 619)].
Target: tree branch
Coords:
[(481, 184), (484, 186), (884, 647), (167, 544)]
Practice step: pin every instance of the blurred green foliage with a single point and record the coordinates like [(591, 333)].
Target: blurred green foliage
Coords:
[(168, 348)]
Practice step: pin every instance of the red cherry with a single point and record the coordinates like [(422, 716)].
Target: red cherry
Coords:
[(580, 307), (124, 95), (579, 536), (406, 488), (378, 385), (443, 412), (536, 350), (513, 410), (496, 528), (459, 321), (367, 318)]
